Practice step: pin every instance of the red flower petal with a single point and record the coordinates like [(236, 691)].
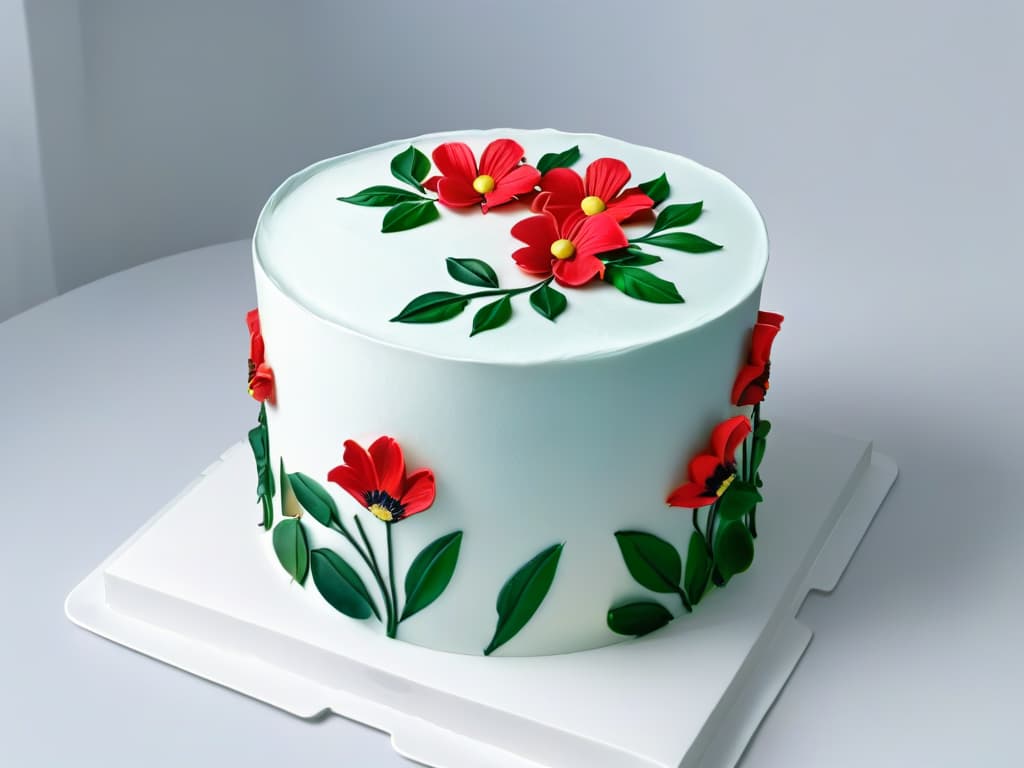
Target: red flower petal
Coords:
[(742, 393), (629, 203), (348, 479), (702, 467), (606, 177), (389, 464), (540, 202), (500, 157), (517, 182), (689, 495), (261, 385), (455, 160), (457, 193), (256, 349), (431, 183), (359, 460), (565, 186), (596, 234), (419, 492), (727, 436), (761, 343), (770, 318), (533, 261), (580, 269), (538, 231)]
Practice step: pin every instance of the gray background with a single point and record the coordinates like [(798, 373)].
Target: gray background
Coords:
[(881, 140)]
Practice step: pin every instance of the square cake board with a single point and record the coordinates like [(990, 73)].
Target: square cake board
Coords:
[(690, 694)]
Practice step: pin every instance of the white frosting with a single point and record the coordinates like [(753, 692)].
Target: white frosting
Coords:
[(332, 258), (581, 428)]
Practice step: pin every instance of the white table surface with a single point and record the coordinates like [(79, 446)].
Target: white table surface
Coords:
[(117, 394)]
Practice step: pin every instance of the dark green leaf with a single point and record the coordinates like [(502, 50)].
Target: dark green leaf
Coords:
[(738, 500), (493, 315), (548, 302), (763, 428), (314, 498), (639, 259), (558, 159), (522, 595), (409, 216), (638, 618), (472, 272), (341, 586), (682, 241), (641, 284), (291, 548), (678, 215), (410, 166), (256, 435), (652, 562), (265, 490), (381, 196), (757, 452), (656, 189), (432, 308), (430, 572), (698, 566), (734, 549)]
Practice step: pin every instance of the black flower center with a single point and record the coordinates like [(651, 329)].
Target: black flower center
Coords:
[(384, 506), (720, 479)]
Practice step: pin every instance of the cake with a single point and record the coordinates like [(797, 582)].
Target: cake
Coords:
[(510, 389)]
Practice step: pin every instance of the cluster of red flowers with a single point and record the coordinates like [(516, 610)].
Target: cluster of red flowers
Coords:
[(577, 218), (261, 375)]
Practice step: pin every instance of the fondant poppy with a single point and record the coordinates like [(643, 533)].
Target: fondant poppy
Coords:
[(376, 478), (498, 179), (711, 474), (261, 375), (564, 192), (752, 381), (568, 250)]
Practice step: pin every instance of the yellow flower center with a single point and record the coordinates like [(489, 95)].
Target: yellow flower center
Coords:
[(381, 513), (592, 205), (725, 484), (563, 249), (483, 184)]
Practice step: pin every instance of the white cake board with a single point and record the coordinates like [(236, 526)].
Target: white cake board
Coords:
[(196, 587)]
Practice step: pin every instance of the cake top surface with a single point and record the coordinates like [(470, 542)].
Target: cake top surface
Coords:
[(332, 257)]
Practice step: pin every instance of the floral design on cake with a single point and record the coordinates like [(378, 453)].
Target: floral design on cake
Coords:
[(721, 544), (576, 232), (261, 389), (261, 375), (377, 479)]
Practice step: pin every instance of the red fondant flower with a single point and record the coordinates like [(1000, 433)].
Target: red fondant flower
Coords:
[(752, 382), (261, 375), (499, 178), (377, 480), (563, 192), (568, 250), (711, 474)]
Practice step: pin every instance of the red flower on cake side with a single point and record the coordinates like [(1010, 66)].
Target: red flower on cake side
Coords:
[(377, 479), (500, 177), (752, 381), (564, 192), (261, 375), (569, 250), (711, 474)]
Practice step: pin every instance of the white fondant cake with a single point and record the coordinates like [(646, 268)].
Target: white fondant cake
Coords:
[(538, 433)]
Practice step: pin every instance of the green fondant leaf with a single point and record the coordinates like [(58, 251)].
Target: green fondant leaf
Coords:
[(259, 450), (291, 548), (757, 452), (491, 316), (265, 490), (656, 189), (678, 215), (734, 549), (409, 216), (558, 159), (380, 196), (290, 506), (523, 594), (763, 428), (652, 562), (698, 566), (640, 284), (638, 618), (472, 272), (682, 241), (341, 586), (314, 498), (410, 166), (430, 572), (548, 302), (738, 500), (433, 307)]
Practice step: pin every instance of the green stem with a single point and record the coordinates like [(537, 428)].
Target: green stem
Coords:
[(506, 291), (686, 601), (377, 576), (752, 517), (393, 629)]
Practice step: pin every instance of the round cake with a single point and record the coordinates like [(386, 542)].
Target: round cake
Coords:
[(510, 386)]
